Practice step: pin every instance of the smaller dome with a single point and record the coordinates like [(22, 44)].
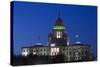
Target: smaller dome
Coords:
[(39, 43)]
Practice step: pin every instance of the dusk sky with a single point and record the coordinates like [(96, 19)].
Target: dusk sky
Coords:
[(33, 20)]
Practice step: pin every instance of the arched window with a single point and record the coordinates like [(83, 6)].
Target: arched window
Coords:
[(58, 34), (54, 51)]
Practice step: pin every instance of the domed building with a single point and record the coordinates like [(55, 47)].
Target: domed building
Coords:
[(58, 35), (58, 45)]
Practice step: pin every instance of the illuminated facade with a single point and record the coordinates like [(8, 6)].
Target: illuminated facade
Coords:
[(58, 45), (58, 35)]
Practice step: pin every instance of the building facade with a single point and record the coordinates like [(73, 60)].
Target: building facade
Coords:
[(58, 45)]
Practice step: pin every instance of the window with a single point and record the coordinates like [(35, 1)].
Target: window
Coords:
[(25, 52), (57, 50), (54, 51), (58, 34), (34, 53), (53, 44)]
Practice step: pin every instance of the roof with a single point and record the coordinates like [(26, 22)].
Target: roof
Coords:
[(59, 22), (36, 45)]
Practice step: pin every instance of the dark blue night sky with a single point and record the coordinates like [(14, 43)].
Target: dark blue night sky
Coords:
[(33, 20)]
